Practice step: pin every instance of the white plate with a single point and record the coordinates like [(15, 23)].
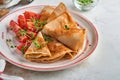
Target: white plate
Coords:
[(15, 58)]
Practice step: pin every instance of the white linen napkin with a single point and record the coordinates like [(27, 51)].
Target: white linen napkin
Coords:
[(5, 76)]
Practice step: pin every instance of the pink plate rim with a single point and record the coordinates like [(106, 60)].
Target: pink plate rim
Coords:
[(58, 67)]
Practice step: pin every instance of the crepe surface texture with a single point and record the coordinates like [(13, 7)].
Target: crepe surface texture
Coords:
[(65, 30), (66, 39)]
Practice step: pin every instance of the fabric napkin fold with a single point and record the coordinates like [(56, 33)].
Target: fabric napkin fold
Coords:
[(5, 76), (2, 65)]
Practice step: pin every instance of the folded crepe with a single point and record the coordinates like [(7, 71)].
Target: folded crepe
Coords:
[(37, 49), (62, 37), (46, 12), (60, 9), (49, 52), (58, 51), (65, 30)]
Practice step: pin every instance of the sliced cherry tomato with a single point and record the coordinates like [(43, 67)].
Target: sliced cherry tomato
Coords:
[(19, 47), (31, 26), (14, 26), (24, 46), (29, 15), (22, 22), (31, 35), (28, 20), (22, 39)]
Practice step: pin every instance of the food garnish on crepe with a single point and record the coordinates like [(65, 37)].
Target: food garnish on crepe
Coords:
[(60, 37), (57, 51), (65, 30), (62, 27), (37, 49)]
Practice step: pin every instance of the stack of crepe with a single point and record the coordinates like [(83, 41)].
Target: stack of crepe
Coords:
[(65, 37)]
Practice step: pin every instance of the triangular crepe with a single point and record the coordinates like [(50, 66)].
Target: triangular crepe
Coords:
[(66, 37), (64, 29), (46, 12), (60, 9), (57, 50), (37, 49)]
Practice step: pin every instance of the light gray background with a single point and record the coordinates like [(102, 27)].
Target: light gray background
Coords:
[(104, 63)]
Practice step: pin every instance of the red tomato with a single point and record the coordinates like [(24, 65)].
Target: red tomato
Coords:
[(14, 26), (22, 22), (22, 39), (31, 27), (31, 35), (29, 15), (23, 46), (28, 20), (19, 47)]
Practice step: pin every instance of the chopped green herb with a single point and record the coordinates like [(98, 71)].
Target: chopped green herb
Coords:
[(43, 23), (22, 32), (35, 20), (13, 46), (37, 44), (8, 40), (32, 35), (39, 25), (84, 2), (16, 37), (67, 27), (24, 49), (47, 38)]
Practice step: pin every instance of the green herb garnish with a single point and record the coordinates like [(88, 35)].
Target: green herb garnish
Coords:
[(84, 2), (47, 38), (13, 46), (24, 49), (66, 27), (22, 32), (37, 44), (17, 37), (8, 40), (32, 35), (39, 25), (35, 20), (43, 23)]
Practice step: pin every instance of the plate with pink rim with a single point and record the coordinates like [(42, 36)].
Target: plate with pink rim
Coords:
[(17, 59)]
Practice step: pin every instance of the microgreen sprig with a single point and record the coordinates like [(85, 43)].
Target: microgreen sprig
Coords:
[(85, 2), (47, 38)]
